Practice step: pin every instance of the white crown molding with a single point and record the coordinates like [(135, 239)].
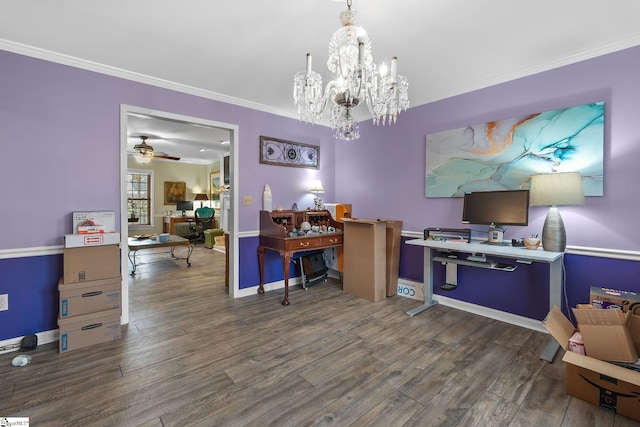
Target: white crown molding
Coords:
[(72, 61), (59, 58)]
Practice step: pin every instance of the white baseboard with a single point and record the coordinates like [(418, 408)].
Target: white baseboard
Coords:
[(491, 313), (268, 287), (44, 337)]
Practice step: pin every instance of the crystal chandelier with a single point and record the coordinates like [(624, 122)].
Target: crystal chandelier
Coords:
[(356, 78)]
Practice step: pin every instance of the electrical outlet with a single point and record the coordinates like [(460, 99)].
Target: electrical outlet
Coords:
[(248, 201), (4, 302)]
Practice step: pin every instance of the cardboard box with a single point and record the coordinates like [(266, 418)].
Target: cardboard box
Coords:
[(91, 263), (365, 252), (89, 297), (606, 334), (595, 381), (79, 240), (100, 221), (611, 298), (634, 330), (603, 384), (394, 231), (89, 329)]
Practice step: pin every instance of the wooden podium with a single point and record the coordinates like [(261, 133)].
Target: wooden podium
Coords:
[(365, 254)]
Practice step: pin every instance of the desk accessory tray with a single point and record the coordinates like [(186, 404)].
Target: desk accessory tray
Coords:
[(462, 235)]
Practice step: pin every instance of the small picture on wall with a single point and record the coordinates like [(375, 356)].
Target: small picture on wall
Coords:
[(174, 192), (214, 185), (274, 151)]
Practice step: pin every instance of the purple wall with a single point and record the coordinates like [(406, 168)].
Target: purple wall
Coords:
[(385, 170), (60, 134)]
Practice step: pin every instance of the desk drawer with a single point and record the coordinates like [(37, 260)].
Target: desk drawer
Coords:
[(313, 242), (332, 240)]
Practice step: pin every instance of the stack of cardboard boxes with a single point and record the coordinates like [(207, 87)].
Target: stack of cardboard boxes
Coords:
[(602, 358), (90, 290)]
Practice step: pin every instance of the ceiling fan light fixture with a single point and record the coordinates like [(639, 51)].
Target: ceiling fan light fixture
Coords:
[(143, 158)]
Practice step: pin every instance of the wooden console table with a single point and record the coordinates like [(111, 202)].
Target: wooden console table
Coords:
[(274, 236)]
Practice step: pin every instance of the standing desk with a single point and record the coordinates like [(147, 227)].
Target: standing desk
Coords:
[(455, 253)]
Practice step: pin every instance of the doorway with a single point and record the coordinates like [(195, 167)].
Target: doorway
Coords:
[(127, 111)]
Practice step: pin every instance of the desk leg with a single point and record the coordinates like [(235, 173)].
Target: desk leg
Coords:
[(261, 269), (189, 252), (286, 260), (427, 285), (132, 261), (555, 299)]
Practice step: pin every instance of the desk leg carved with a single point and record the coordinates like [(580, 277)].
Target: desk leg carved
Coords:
[(132, 261), (189, 252), (286, 260), (261, 269)]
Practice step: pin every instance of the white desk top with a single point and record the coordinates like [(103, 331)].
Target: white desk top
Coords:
[(482, 248)]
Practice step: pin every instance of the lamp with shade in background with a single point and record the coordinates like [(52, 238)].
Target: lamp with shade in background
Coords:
[(201, 197), (316, 189), (554, 189)]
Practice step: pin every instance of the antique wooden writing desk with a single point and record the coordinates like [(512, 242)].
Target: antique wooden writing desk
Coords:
[(274, 235)]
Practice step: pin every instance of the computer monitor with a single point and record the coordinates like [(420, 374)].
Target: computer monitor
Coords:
[(184, 206), (496, 209)]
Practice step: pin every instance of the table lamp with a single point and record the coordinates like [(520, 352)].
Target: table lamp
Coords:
[(201, 197), (316, 189), (553, 189)]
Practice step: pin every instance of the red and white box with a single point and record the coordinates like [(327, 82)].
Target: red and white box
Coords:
[(79, 240), (94, 222)]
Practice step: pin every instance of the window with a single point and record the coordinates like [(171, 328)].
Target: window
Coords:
[(139, 197)]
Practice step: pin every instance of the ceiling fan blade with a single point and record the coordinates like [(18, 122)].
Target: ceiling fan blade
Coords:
[(165, 156)]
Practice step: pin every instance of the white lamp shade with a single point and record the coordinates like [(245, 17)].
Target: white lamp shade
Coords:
[(316, 187), (555, 189)]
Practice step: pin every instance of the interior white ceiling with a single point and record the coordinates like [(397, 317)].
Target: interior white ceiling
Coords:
[(193, 143), (247, 52)]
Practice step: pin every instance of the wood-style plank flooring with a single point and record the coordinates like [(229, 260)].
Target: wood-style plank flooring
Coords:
[(192, 356)]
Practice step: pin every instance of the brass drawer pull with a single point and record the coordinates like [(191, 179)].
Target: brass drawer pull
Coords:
[(333, 240), (304, 244)]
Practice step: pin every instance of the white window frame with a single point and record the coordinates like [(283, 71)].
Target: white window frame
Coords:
[(151, 198)]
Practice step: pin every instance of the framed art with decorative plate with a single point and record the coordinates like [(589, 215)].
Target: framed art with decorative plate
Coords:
[(274, 151)]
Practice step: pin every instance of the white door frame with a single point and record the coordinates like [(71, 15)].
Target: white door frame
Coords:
[(124, 225)]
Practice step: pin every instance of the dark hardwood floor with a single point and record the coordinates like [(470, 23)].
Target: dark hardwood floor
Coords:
[(192, 356)]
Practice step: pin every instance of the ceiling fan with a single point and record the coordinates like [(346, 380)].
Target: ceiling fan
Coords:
[(144, 152)]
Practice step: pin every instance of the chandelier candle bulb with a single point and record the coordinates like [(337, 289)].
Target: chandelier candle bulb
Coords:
[(308, 63), (383, 70), (393, 68)]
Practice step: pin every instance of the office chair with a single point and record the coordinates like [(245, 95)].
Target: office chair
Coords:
[(204, 221)]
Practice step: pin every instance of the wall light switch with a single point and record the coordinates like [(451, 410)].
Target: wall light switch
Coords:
[(4, 302), (248, 201)]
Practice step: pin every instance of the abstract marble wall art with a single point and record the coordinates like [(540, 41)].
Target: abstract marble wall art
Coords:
[(503, 154)]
